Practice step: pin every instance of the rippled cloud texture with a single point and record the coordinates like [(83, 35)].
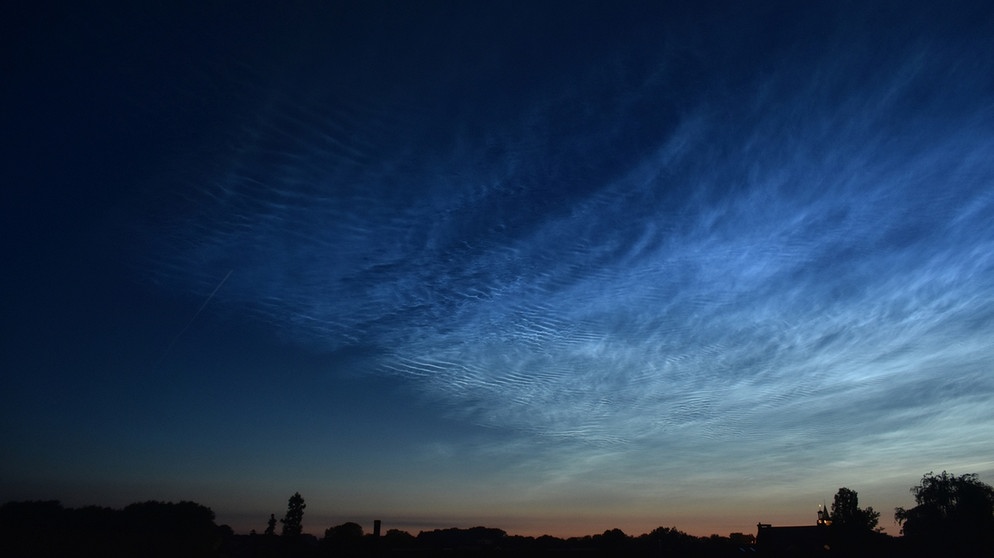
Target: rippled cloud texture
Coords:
[(664, 259)]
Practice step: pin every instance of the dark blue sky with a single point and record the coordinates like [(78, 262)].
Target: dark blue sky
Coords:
[(551, 269)]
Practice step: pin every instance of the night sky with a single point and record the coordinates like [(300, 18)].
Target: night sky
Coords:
[(548, 267)]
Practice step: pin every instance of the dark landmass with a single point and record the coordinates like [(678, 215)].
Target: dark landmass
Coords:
[(186, 529), (158, 529), (954, 517)]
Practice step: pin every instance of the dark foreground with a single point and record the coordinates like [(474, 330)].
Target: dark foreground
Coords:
[(187, 529)]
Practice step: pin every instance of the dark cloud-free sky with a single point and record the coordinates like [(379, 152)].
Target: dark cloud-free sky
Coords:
[(554, 268)]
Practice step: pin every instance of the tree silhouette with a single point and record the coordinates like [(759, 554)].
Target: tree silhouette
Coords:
[(293, 520), (852, 530), (848, 516), (398, 538), (346, 532), (168, 529), (152, 529), (271, 525), (954, 515)]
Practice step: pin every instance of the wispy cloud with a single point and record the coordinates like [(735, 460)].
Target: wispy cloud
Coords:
[(797, 267)]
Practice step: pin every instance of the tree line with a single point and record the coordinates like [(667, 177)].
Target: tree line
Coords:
[(953, 516)]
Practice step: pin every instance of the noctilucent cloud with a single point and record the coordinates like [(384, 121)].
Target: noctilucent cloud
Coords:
[(554, 269)]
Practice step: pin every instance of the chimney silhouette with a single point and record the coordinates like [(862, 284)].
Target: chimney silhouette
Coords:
[(376, 527)]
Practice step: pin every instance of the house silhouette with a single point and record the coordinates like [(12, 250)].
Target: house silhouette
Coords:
[(799, 541)]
